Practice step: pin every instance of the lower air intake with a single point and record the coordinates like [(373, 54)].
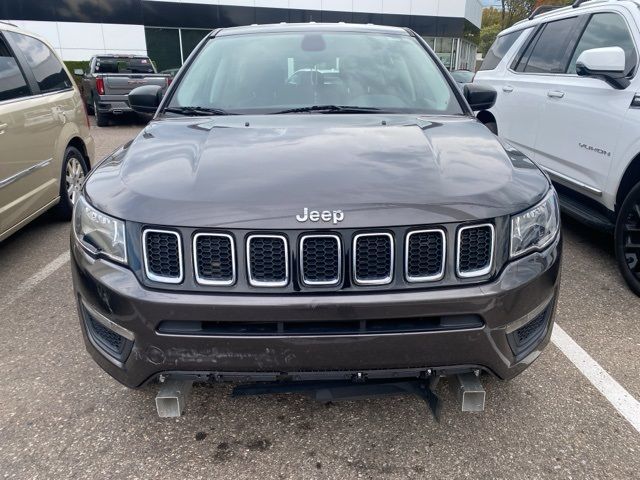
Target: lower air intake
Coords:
[(110, 342), (523, 340)]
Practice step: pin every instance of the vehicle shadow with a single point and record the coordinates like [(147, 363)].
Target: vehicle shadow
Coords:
[(582, 234), (123, 120)]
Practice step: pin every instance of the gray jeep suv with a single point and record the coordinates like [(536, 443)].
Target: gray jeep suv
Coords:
[(362, 226)]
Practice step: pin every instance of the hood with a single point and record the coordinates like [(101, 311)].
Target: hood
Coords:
[(263, 171)]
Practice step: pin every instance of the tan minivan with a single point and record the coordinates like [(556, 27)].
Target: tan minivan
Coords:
[(45, 144)]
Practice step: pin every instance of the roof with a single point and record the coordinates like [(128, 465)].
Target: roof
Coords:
[(312, 27), (10, 27), (561, 12)]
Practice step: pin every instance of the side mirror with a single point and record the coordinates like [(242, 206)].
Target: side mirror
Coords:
[(607, 64), (78, 71), (145, 99), (479, 96)]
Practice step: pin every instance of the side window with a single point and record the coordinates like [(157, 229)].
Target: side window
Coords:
[(499, 49), (606, 30), (548, 52), (12, 81), (45, 66)]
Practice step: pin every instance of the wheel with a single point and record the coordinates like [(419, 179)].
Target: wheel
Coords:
[(492, 126), (627, 239), (74, 170), (101, 118)]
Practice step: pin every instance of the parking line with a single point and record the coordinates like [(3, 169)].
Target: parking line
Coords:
[(622, 400), (36, 278)]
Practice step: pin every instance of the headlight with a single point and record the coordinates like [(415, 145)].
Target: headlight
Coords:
[(100, 234), (537, 227)]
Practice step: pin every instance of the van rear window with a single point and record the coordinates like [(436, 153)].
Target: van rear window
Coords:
[(499, 49)]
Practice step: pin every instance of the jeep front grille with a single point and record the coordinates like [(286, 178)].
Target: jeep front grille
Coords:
[(475, 250), (214, 259), (320, 260), (302, 260), (267, 260), (162, 256), (373, 258)]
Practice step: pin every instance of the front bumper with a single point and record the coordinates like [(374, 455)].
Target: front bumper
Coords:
[(526, 288)]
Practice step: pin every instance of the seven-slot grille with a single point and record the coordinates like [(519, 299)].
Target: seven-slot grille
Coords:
[(214, 259), (320, 257), (373, 258), (475, 250), (162, 256), (268, 260), (320, 260), (424, 256)]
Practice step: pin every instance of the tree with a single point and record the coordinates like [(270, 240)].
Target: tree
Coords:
[(494, 20), (487, 36)]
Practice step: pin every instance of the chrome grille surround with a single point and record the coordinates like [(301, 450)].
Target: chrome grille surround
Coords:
[(271, 284), (160, 278), (382, 281), (316, 283), (479, 272), (429, 278), (204, 281)]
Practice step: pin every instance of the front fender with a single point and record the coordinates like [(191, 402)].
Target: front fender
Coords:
[(629, 151)]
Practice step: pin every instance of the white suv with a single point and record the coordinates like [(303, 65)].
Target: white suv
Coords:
[(569, 97)]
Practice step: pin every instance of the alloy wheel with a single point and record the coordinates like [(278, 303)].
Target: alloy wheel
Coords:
[(631, 239), (74, 176)]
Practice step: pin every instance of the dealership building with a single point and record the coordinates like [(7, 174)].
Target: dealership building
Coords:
[(168, 30)]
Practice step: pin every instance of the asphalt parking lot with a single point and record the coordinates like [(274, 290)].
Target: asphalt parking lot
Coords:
[(62, 417)]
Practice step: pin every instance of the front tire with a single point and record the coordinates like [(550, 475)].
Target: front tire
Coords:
[(627, 239), (74, 171)]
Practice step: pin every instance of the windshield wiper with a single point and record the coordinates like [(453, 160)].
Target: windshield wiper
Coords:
[(197, 111), (332, 109)]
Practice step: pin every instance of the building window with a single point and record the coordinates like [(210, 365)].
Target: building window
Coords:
[(190, 40), (163, 47), (170, 47)]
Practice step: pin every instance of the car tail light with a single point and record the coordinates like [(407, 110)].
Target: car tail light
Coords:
[(100, 86), (169, 80)]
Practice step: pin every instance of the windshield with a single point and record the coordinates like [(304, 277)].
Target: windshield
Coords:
[(123, 65), (277, 72)]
